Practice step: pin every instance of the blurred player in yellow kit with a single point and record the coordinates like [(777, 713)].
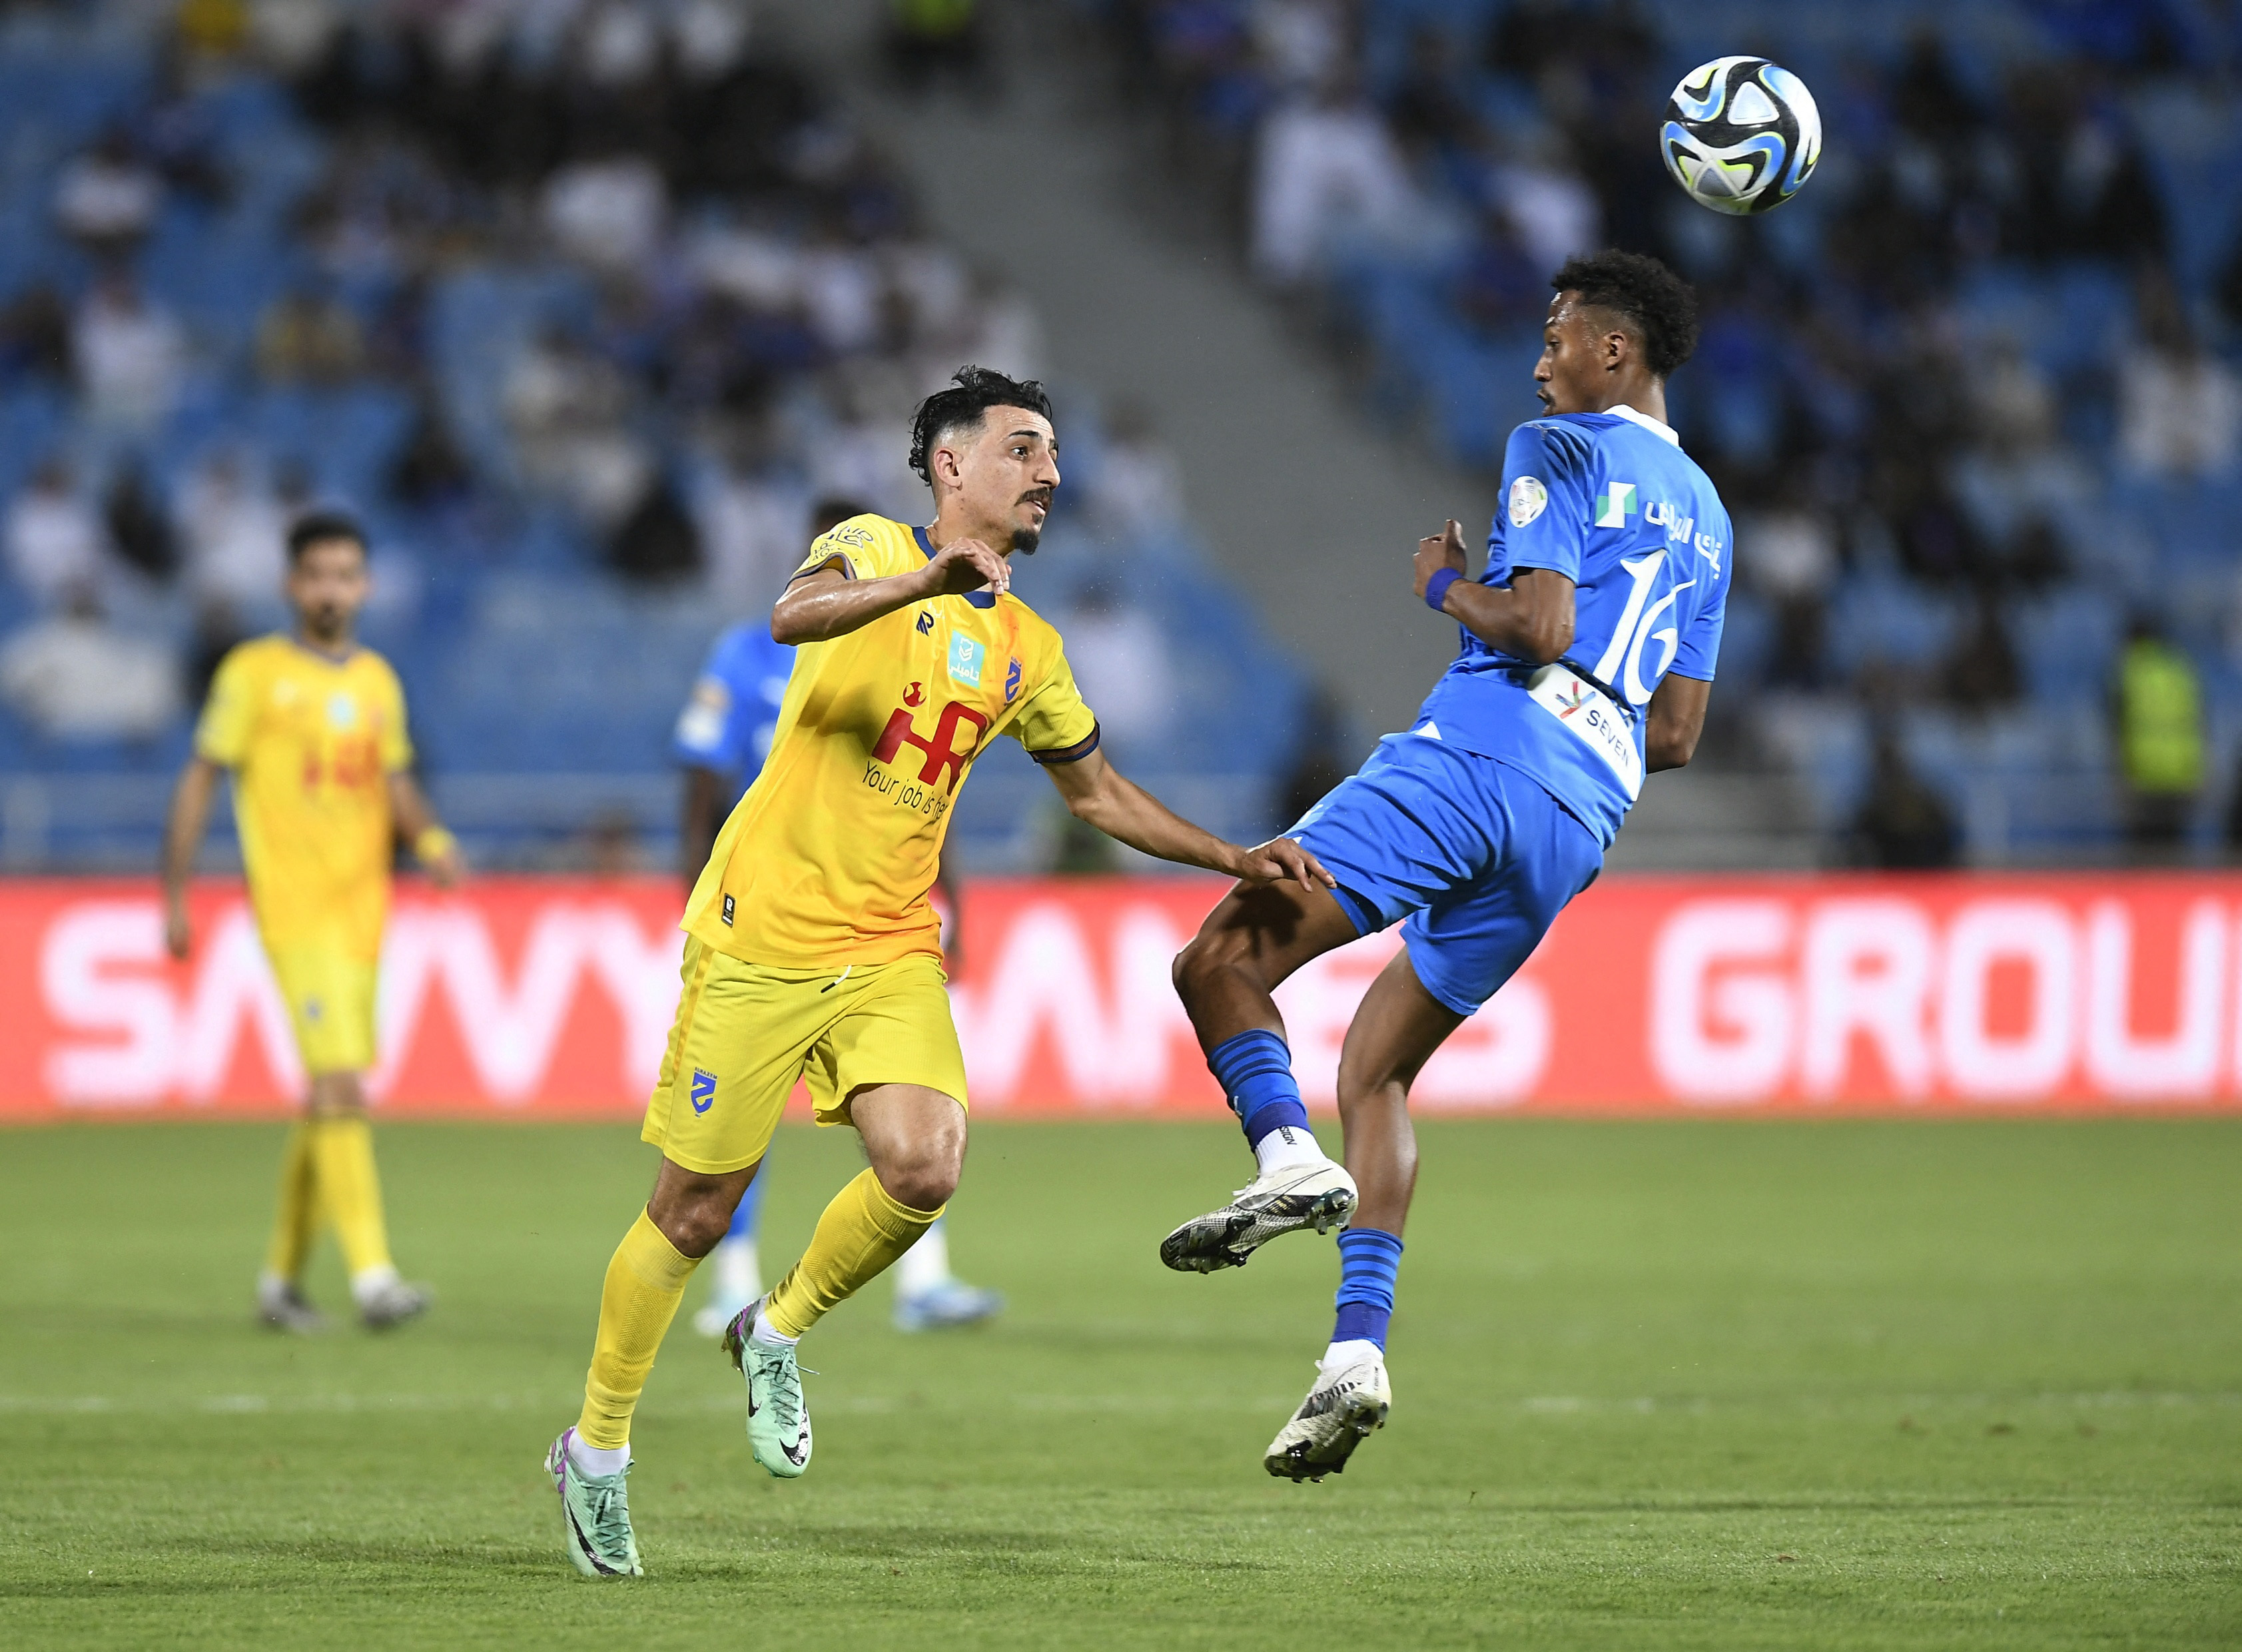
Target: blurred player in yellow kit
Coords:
[(813, 950), (312, 728)]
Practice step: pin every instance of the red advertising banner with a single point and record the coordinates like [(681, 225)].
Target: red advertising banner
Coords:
[(545, 997)]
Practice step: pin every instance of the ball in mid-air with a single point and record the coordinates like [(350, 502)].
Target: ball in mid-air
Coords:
[(1741, 135)]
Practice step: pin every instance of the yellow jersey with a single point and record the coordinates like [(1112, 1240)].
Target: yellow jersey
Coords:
[(829, 857), (311, 741)]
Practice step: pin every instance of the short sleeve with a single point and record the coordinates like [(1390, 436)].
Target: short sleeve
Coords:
[(1700, 650), (700, 739), (862, 548), (1544, 504), (229, 715), (396, 738), (1054, 724)]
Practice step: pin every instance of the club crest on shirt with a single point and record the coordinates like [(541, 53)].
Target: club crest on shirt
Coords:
[(965, 656), (1528, 499), (1013, 680)]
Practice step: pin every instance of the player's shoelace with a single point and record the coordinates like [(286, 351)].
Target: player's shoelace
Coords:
[(610, 1511)]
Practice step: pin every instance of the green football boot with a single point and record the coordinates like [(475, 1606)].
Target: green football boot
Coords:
[(778, 1418), (596, 1512)]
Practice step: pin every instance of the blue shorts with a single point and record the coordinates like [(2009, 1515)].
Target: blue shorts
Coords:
[(1478, 857)]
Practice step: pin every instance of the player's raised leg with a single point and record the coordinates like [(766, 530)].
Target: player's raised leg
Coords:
[(1395, 1032), (1256, 936), (915, 1138), (687, 1214)]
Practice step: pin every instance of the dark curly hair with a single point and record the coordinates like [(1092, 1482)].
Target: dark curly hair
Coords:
[(1655, 301), (977, 390), (317, 527)]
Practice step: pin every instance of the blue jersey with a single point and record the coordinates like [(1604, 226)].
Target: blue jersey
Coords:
[(728, 724), (1611, 501)]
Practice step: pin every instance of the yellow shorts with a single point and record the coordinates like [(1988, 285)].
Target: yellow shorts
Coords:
[(745, 1032), (330, 998)]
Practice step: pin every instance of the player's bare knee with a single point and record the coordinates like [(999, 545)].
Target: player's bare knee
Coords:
[(924, 1181)]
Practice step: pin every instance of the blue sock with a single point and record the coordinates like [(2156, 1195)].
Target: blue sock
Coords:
[(1368, 1259), (1255, 1072)]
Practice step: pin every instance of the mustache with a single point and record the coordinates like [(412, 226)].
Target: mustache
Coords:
[(1037, 496)]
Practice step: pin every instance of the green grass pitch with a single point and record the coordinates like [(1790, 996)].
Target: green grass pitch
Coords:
[(1694, 1384)]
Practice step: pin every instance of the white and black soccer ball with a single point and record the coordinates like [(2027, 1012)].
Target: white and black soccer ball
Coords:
[(1741, 135)]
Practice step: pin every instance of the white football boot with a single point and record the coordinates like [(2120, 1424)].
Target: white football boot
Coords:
[(1284, 1199), (1341, 1410)]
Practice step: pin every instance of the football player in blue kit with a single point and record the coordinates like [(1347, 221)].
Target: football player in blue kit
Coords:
[(723, 736), (1589, 643)]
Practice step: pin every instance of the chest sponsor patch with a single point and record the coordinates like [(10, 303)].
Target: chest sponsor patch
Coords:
[(342, 711), (966, 655), (1528, 499)]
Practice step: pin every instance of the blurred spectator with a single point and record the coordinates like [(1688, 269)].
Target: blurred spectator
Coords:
[(1137, 488), (1789, 555), (131, 355), (1431, 112), (568, 407), (1902, 825), (35, 335), (233, 535), (137, 530), (1320, 763), (657, 540), (929, 40), (754, 526), (106, 198), (2179, 408), (1327, 164), (607, 214), (73, 676), (1120, 657), (55, 541), (1301, 44), (430, 473), (1982, 674), (2158, 706), (1498, 285), (2015, 403), (1553, 211), (306, 338)]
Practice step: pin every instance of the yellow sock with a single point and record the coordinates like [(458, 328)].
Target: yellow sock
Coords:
[(296, 1220), (350, 1191), (645, 1281), (862, 1232)]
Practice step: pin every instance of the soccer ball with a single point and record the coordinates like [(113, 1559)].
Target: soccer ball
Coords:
[(1741, 135)]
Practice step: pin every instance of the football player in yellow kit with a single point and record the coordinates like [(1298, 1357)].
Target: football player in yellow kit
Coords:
[(312, 728), (813, 950)]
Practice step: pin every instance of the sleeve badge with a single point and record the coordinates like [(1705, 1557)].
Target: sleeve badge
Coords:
[(1528, 499)]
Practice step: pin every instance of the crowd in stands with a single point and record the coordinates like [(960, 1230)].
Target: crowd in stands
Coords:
[(566, 301), (1972, 397)]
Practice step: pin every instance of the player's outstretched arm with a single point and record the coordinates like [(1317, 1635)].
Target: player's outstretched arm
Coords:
[(1530, 619), (1677, 717), (829, 604), (1098, 793), (433, 846), (182, 841)]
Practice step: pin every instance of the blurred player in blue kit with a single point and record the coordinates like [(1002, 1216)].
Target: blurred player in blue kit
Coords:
[(1587, 657), (723, 734)]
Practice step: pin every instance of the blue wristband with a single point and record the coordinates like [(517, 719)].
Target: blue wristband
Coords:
[(1436, 588)]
